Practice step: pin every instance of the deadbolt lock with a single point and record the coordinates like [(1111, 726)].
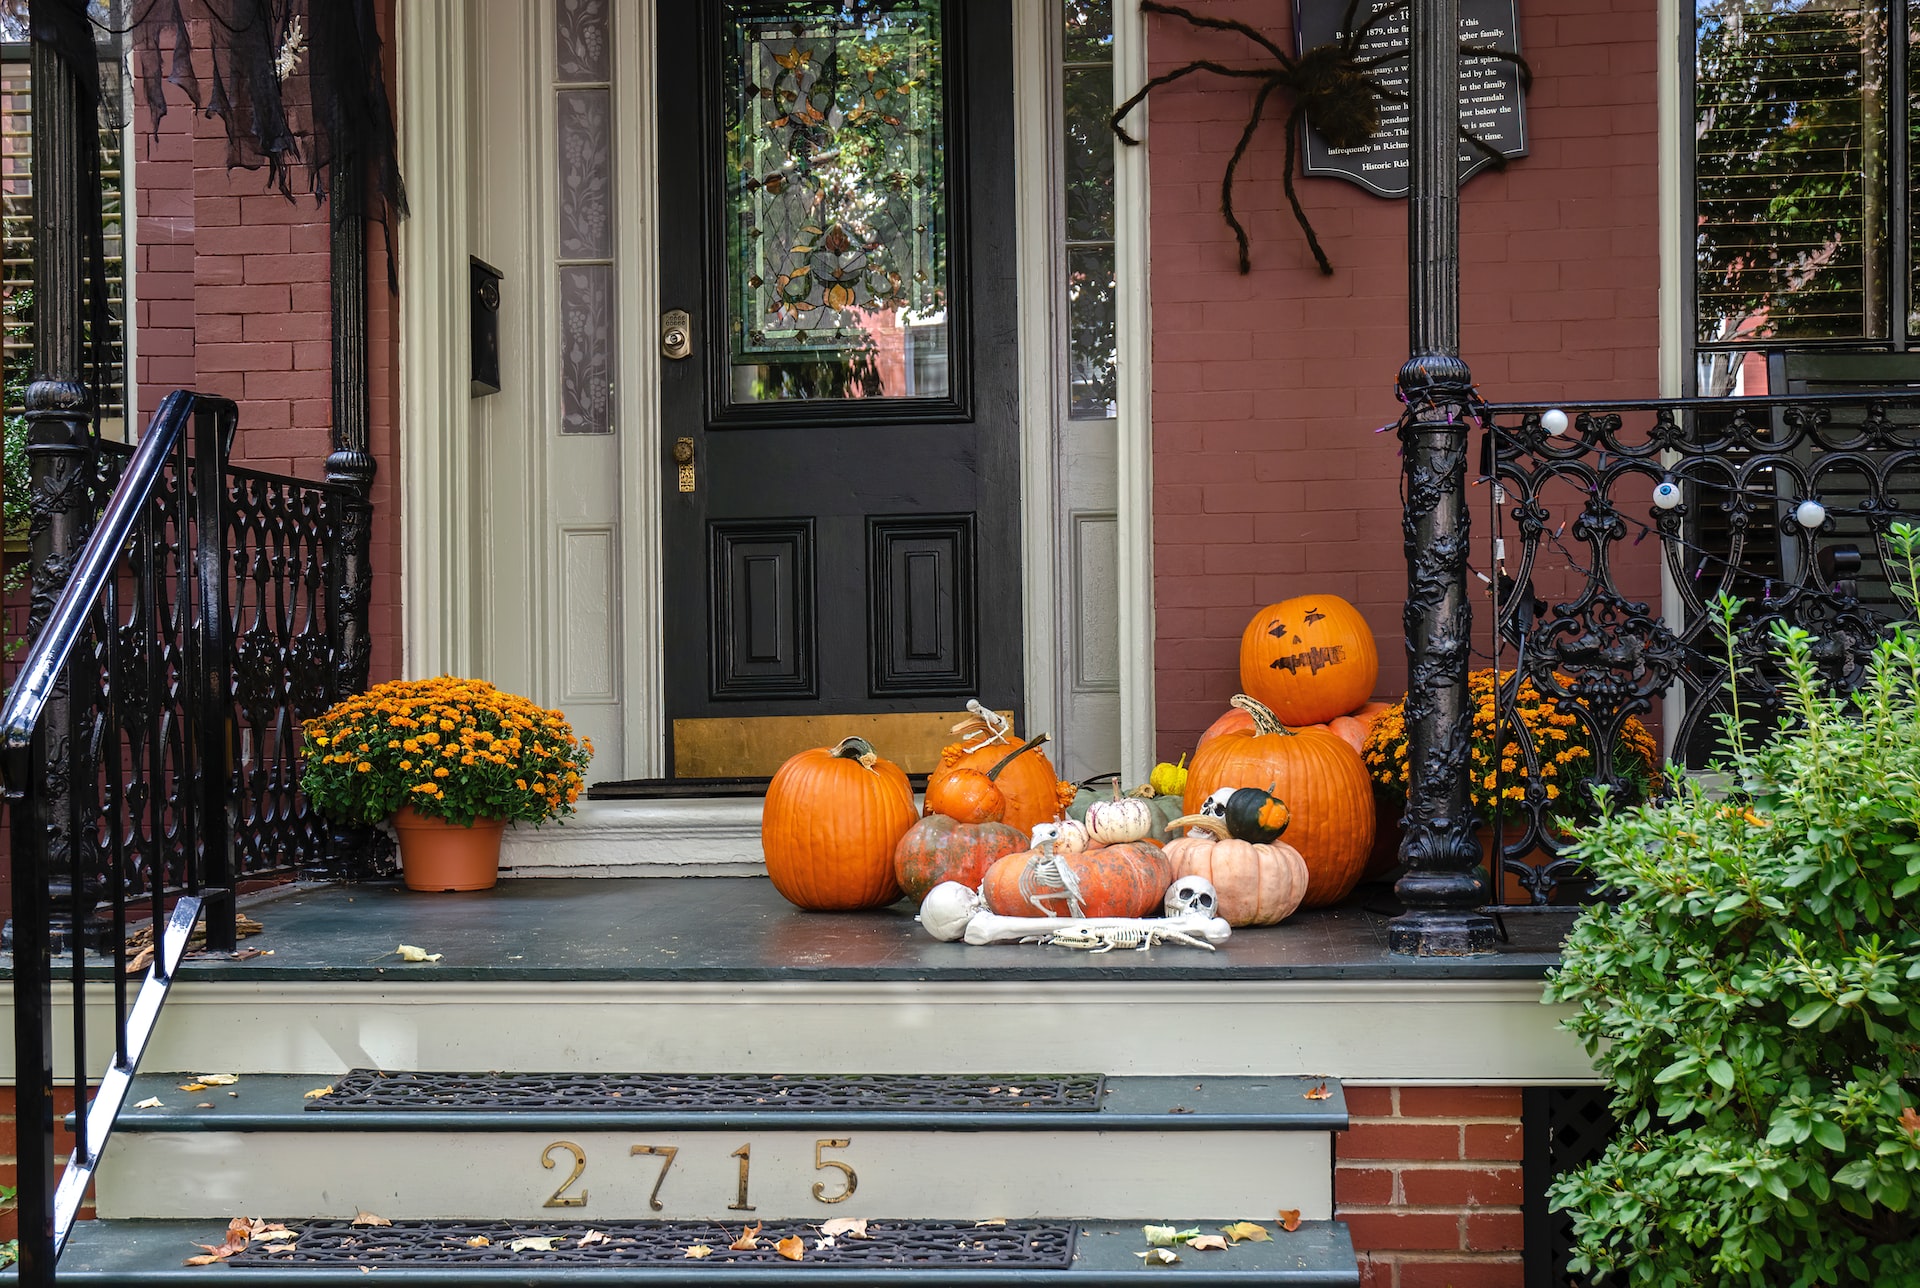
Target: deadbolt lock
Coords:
[(676, 334)]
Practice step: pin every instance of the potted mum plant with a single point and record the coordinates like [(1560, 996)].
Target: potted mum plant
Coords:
[(449, 762), (1501, 780)]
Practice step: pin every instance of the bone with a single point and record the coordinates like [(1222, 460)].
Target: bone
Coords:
[(991, 928)]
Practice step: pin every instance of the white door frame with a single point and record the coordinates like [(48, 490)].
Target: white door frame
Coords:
[(443, 592)]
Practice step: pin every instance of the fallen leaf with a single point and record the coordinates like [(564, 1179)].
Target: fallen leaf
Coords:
[(592, 1237), (1319, 1093), (279, 1234), (151, 1102), (1247, 1232), (998, 1220), (1289, 1219), (315, 1094), (535, 1243), (1158, 1256), (204, 1104), (368, 1218), (852, 1227), (204, 1260), (826, 1241), (479, 1241), (699, 1250), (193, 1086), (1208, 1243), (749, 1239), (1165, 1236), (793, 1247), (216, 1079), (408, 953)]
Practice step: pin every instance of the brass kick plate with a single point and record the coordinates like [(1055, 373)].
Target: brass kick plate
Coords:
[(754, 747)]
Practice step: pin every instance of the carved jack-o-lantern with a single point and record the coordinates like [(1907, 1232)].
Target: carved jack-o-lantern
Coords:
[(1308, 659)]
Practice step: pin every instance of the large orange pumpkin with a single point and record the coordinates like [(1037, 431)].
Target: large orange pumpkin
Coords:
[(1028, 780), (1127, 880), (832, 818), (1259, 885), (941, 848), (1323, 781), (1308, 659)]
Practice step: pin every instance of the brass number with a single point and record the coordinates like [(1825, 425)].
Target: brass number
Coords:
[(666, 1152), (745, 1155), (579, 1166), (822, 1164)]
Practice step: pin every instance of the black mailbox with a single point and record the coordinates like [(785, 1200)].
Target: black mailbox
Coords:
[(484, 307)]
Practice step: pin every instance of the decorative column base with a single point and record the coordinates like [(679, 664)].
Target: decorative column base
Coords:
[(1442, 934)]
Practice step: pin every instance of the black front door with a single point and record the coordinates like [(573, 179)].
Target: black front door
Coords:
[(839, 369)]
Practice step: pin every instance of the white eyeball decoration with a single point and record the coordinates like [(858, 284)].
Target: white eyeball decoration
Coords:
[(1810, 514), (947, 909), (1554, 421), (1191, 896), (1666, 494)]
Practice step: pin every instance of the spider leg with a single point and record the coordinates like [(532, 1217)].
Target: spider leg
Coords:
[(1504, 55), (1220, 24), (1313, 242), (1233, 163), (1164, 78)]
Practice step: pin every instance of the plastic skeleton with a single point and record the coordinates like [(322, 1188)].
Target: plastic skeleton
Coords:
[(1332, 82), (952, 911)]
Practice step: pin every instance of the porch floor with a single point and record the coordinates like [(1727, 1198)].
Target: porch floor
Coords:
[(740, 929)]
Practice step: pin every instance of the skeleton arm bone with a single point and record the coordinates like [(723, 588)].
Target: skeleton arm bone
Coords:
[(991, 928)]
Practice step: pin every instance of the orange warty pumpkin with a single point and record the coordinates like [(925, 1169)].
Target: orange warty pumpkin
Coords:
[(1126, 880), (832, 818), (1323, 781), (939, 848), (1028, 780), (1308, 659), (1259, 885)]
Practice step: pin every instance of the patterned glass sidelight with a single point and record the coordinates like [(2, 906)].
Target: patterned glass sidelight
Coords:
[(837, 191)]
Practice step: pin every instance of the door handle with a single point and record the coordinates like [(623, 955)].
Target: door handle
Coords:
[(676, 334), (683, 457)]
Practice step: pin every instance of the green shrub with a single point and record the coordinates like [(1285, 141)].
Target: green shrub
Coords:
[(1751, 1000)]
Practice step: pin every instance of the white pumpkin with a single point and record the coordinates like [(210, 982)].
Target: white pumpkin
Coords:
[(1062, 836), (1118, 821)]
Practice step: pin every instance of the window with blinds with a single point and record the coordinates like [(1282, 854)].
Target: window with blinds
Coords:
[(16, 250), (1791, 170)]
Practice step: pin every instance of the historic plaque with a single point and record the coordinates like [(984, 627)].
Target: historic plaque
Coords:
[(1491, 106)]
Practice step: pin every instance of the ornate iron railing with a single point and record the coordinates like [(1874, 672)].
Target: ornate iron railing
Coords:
[(1615, 529), (150, 744)]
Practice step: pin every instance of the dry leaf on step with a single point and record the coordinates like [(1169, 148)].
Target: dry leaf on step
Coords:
[(479, 1241), (1319, 1093), (535, 1243), (1158, 1256), (749, 1239), (1289, 1219), (408, 953), (592, 1237), (1247, 1231), (315, 1094), (193, 1086), (1208, 1243), (279, 1235), (151, 1102), (998, 1220), (1165, 1236), (793, 1247), (852, 1227), (216, 1079), (699, 1250), (368, 1218)]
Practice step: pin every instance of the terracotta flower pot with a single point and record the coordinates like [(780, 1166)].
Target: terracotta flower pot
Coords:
[(438, 855)]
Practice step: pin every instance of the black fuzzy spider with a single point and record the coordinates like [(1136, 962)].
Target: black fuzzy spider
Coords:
[(1332, 81)]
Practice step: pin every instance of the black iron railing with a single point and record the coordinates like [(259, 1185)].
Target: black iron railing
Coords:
[(149, 744), (1616, 528)]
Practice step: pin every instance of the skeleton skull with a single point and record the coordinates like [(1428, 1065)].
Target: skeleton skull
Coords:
[(1192, 896), (1215, 806)]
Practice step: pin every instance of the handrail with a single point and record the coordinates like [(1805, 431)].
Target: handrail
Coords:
[(53, 646), (1887, 397)]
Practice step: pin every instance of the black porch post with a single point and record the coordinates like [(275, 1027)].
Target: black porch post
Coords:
[(60, 457), (1442, 888), (350, 579)]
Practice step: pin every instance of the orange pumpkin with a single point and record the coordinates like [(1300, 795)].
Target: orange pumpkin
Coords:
[(1308, 659), (1028, 780), (832, 818), (1234, 721), (966, 796), (1323, 781), (1125, 880), (1259, 885), (1348, 730), (940, 848)]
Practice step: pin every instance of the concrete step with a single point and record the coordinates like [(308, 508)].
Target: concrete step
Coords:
[(773, 1147), (1087, 1254)]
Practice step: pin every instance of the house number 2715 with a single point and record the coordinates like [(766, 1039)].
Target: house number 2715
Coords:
[(833, 1190)]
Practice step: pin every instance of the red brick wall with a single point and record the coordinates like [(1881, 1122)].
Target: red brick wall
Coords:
[(233, 297), (1268, 478), (1428, 1181)]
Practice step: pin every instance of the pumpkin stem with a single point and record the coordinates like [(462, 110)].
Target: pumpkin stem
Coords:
[(1200, 823), (857, 748), (1264, 721), (1021, 750)]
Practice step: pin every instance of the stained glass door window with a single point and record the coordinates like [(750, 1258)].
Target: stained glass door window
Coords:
[(837, 159)]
